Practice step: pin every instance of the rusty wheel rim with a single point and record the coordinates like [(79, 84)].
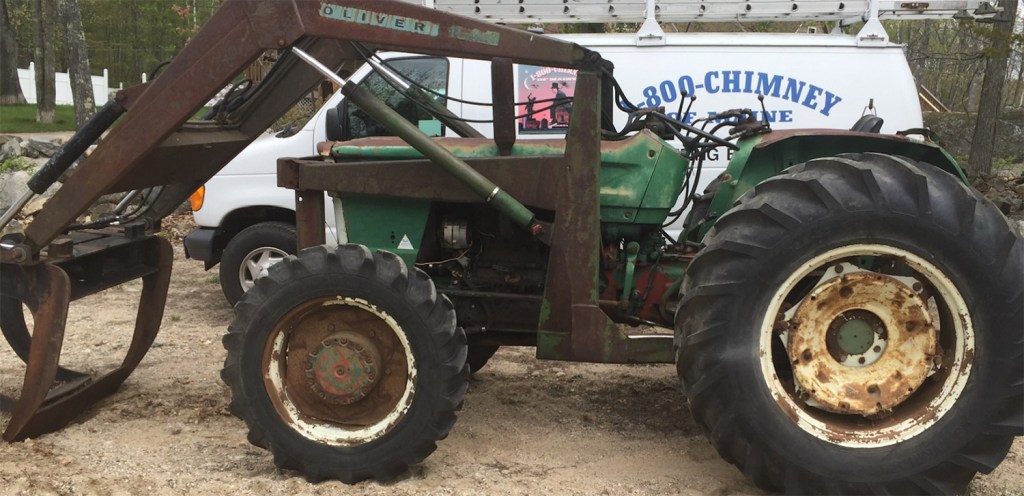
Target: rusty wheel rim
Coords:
[(339, 370), (866, 357)]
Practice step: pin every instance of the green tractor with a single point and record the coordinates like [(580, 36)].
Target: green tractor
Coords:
[(846, 315), (839, 299)]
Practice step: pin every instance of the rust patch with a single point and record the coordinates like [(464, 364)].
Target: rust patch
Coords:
[(888, 371)]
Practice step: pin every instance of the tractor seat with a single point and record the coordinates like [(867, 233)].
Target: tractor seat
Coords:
[(868, 124)]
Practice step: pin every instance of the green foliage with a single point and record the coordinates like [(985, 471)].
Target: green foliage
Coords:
[(127, 37), (22, 119), (1011, 164), (131, 37), (15, 164), (948, 57)]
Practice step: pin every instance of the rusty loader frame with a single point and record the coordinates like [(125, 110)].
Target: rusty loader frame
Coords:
[(153, 146), (859, 306)]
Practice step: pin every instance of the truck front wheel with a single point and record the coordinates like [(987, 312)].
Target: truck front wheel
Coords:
[(345, 364), (853, 326), (250, 253)]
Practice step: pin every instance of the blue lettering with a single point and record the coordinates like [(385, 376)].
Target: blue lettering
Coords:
[(686, 85), (811, 100), (730, 81), (748, 81), (793, 91), (668, 91), (831, 99), (766, 87), (708, 85), (785, 116)]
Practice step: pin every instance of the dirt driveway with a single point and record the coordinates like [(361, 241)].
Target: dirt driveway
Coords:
[(528, 427)]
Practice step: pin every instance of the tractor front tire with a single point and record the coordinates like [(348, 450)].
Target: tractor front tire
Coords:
[(345, 364), (854, 326)]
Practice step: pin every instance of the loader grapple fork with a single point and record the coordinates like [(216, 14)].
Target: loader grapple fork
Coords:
[(51, 395), (154, 145)]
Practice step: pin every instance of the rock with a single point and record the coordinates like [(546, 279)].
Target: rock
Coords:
[(100, 210), (40, 148), (10, 148), (35, 205), (114, 198), (12, 186)]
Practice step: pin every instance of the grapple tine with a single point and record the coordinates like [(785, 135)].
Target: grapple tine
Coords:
[(45, 405), (46, 290)]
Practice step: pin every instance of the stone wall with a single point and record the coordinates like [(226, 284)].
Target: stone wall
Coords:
[(956, 129)]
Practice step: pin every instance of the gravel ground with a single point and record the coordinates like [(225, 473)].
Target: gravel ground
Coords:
[(528, 426)]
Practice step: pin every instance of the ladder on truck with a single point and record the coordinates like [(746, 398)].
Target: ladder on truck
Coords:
[(653, 12)]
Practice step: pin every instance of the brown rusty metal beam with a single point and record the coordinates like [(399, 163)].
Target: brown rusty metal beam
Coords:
[(503, 93), (309, 218), (238, 33), (576, 325), (574, 259), (531, 180)]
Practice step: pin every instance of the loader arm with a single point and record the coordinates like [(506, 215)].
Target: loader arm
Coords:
[(152, 144)]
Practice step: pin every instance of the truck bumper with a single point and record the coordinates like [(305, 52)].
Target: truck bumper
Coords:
[(199, 245)]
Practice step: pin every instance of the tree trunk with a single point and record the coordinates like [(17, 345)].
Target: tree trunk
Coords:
[(46, 90), (78, 62), (10, 87), (991, 102)]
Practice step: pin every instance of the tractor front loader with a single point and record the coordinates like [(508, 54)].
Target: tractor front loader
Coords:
[(845, 313)]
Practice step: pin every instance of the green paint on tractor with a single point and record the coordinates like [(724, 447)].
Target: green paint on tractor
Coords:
[(640, 176), (757, 160), (391, 224)]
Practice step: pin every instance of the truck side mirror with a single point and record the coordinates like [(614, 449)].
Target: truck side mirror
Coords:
[(334, 126)]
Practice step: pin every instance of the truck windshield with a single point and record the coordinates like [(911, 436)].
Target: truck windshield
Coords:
[(431, 72)]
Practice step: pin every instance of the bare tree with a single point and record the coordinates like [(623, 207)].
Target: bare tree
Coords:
[(46, 89), (10, 88), (78, 61), (991, 102)]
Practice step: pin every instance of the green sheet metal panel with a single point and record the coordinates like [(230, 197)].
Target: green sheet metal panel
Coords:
[(385, 223), (640, 176)]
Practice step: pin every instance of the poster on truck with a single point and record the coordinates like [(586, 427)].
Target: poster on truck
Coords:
[(544, 98)]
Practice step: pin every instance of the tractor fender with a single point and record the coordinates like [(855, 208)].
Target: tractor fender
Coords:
[(764, 156)]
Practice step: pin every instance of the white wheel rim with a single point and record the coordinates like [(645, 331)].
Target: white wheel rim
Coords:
[(256, 264), (901, 426)]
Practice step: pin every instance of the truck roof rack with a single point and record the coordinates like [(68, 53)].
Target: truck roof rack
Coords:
[(652, 12), (577, 11)]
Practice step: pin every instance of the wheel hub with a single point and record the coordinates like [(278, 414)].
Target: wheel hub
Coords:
[(856, 338), (344, 368), (861, 343)]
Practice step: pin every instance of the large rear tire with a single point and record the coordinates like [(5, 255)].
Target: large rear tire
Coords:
[(345, 364), (854, 326)]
